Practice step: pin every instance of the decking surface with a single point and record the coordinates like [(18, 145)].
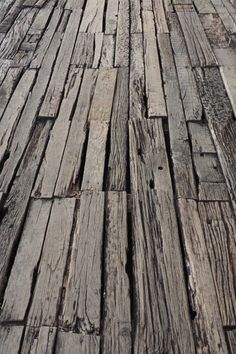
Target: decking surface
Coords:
[(117, 176)]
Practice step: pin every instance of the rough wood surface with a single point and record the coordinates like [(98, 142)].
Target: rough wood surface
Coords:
[(39, 340), (72, 343)]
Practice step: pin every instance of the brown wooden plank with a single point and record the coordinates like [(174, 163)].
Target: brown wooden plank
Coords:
[(137, 80), (116, 308), (10, 339), (101, 105), (26, 124), (82, 301), (95, 156), (198, 46), (48, 173), (157, 310), (17, 200), (122, 37), (117, 164), (54, 92), (48, 287), (207, 322), (39, 340), (73, 343), (220, 237), (69, 177), (18, 292)]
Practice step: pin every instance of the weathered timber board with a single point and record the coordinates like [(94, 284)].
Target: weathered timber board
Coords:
[(10, 339), (73, 343), (39, 340)]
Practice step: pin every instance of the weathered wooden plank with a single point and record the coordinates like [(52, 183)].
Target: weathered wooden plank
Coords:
[(208, 168), (179, 143), (231, 338), (46, 39), (82, 301), (83, 50), (137, 80), (8, 86), (111, 16), (157, 309), (92, 20), (160, 16), (39, 340), (18, 292), (98, 43), (122, 37), (95, 156), (69, 177), (225, 56), (73, 343), (116, 316), (13, 111), (10, 339), (228, 20), (48, 287), (135, 17), (204, 7), (17, 200), (215, 31), (219, 115), (229, 78), (48, 173), (108, 51), (8, 18), (207, 322), (25, 126), (201, 139), (74, 4), (197, 43), (16, 34), (55, 89), (154, 89), (101, 105), (213, 191), (220, 236), (117, 164)]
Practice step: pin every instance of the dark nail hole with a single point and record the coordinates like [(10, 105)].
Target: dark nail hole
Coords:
[(160, 168), (151, 183)]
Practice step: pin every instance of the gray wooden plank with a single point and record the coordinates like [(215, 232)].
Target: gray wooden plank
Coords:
[(197, 43), (82, 300), (208, 168), (95, 156), (8, 86), (160, 16), (92, 20), (55, 89), (84, 50), (10, 339), (229, 77), (48, 287), (39, 340), (111, 17), (201, 139), (213, 191), (69, 174), (49, 169), (18, 198), (231, 338), (117, 314), (19, 287), (220, 229), (137, 102), (135, 17), (157, 310), (73, 343), (108, 51), (207, 322), (215, 31), (204, 7), (26, 124), (153, 80), (101, 105), (122, 36), (117, 164)]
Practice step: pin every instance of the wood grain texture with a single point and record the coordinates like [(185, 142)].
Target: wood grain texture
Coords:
[(10, 339), (72, 343), (39, 340)]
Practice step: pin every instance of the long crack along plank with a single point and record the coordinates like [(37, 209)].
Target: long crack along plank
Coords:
[(117, 176)]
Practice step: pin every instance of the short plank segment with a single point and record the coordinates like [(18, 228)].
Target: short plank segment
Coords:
[(220, 237), (160, 296), (92, 20), (47, 292), (10, 339), (17, 298), (39, 340), (231, 338), (73, 343), (209, 335), (18, 198), (122, 37), (229, 78), (116, 308), (81, 306)]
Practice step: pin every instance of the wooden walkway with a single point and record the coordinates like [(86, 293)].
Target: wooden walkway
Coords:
[(117, 176)]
